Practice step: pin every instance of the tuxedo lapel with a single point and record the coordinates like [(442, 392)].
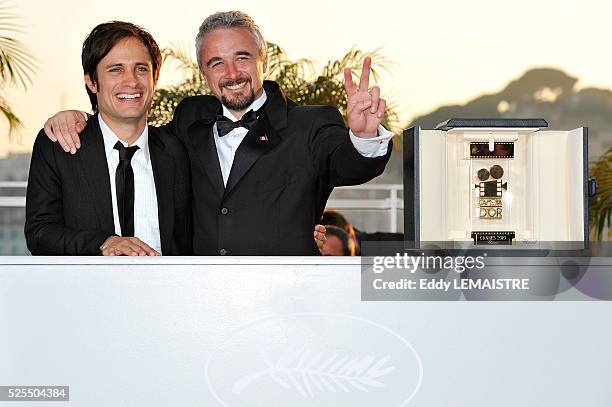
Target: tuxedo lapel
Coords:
[(92, 159), (259, 140), (204, 151), (276, 106), (163, 174)]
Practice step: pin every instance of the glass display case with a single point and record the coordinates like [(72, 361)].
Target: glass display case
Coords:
[(495, 182)]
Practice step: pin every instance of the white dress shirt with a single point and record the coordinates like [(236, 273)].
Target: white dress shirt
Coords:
[(146, 221), (228, 144)]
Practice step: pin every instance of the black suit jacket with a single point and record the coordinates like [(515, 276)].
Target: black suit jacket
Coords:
[(282, 175), (68, 200)]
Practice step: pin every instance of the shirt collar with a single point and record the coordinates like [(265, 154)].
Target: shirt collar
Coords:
[(110, 139), (257, 103)]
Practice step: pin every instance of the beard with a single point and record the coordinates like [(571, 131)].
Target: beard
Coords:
[(238, 102)]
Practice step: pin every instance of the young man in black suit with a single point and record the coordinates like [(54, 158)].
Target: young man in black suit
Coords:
[(127, 191), (263, 167)]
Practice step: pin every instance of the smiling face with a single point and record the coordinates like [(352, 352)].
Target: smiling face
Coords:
[(125, 83), (233, 67)]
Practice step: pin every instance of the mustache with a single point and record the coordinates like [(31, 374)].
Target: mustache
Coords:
[(234, 82)]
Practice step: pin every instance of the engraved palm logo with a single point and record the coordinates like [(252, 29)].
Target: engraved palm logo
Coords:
[(313, 358), (307, 373)]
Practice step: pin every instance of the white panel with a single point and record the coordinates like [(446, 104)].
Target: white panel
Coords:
[(560, 185), (458, 187), (432, 161), (522, 189), (195, 332), (575, 176), (551, 151)]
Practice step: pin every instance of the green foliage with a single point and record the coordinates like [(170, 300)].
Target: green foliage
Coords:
[(600, 206), (17, 65), (299, 80)]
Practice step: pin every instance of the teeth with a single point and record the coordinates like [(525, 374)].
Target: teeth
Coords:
[(237, 86), (128, 95)]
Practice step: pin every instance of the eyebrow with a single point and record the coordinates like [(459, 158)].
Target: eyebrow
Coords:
[(212, 60), (238, 53), (120, 64)]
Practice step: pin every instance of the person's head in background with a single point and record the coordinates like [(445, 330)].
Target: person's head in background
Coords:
[(338, 242), (335, 218)]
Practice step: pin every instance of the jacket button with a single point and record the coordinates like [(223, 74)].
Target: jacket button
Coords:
[(224, 211), (222, 252)]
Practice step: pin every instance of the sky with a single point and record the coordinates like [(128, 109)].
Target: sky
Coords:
[(444, 51)]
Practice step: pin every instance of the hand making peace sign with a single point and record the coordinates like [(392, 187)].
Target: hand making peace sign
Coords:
[(365, 108)]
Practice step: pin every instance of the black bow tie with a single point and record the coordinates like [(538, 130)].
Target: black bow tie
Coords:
[(225, 125)]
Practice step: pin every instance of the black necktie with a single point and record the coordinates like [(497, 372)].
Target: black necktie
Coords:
[(124, 184), (225, 125)]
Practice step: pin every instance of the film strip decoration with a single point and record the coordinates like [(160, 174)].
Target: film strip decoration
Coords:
[(501, 149)]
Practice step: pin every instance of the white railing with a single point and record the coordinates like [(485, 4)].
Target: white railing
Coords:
[(13, 201), (391, 203), (13, 184)]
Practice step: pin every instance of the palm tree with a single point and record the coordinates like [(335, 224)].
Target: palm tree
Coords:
[(299, 80), (600, 208), (16, 64)]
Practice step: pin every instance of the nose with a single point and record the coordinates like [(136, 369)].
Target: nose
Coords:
[(232, 72), (130, 78)]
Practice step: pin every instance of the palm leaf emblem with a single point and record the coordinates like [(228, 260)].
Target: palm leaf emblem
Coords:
[(307, 373)]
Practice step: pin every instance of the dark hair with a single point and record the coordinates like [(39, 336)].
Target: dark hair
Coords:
[(348, 245), (103, 38), (335, 218), (332, 217)]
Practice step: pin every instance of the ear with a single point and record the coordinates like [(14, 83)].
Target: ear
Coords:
[(265, 63), (90, 84)]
